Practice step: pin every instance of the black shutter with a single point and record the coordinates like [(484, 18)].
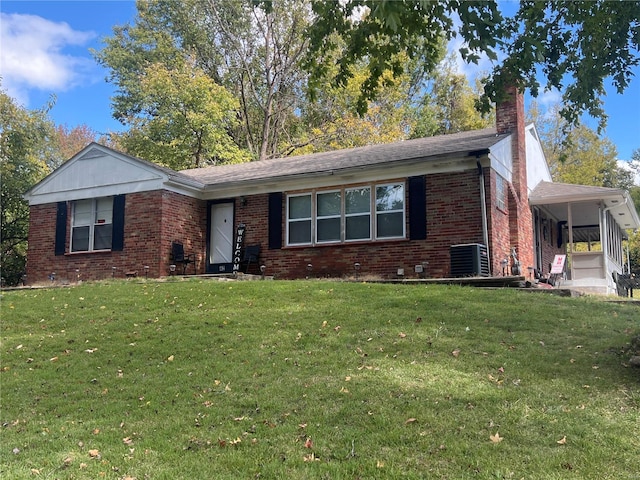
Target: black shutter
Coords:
[(417, 208), (117, 238), (275, 221), (61, 228)]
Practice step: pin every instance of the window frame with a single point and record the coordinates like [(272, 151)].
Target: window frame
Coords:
[(372, 214), (501, 193), (300, 219), (92, 224), (392, 211)]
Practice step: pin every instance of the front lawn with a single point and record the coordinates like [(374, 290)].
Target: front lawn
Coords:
[(202, 379)]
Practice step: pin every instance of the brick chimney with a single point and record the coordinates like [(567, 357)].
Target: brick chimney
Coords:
[(510, 120)]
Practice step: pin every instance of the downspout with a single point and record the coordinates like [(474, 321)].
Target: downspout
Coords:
[(483, 203)]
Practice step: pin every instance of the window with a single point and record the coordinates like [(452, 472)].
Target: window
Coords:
[(357, 213), (299, 219), (92, 224), (501, 194), (346, 215), (390, 211), (328, 217)]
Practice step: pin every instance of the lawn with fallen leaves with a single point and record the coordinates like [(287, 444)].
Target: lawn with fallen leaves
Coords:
[(202, 379)]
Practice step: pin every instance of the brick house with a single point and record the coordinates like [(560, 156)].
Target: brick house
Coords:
[(450, 205)]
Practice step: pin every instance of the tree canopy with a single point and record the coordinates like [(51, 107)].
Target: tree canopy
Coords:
[(575, 46), (27, 147)]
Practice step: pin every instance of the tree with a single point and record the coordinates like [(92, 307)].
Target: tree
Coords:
[(578, 44), (252, 52), (578, 154), (449, 104), (634, 237), (71, 140), (183, 120), (27, 146)]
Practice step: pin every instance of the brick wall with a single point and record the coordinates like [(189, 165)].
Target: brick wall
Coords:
[(152, 221), (453, 217)]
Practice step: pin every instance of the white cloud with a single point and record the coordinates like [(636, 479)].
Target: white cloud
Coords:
[(33, 55)]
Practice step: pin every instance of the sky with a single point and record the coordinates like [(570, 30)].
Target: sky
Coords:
[(45, 51)]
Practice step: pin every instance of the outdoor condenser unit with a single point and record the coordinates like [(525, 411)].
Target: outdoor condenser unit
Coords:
[(469, 260)]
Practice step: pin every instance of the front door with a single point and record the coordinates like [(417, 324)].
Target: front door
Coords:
[(221, 238)]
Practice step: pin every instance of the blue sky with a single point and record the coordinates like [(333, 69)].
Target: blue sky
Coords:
[(45, 50)]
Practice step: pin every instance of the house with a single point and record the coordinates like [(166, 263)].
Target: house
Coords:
[(470, 203)]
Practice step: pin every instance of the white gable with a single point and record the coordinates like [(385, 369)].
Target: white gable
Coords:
[(97, 172), (537, 166)]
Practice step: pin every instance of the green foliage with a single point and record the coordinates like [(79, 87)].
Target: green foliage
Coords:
[(228, 380), (449, 105), (27, 150), (252, 53), (578, 154), (574, 44), (184, 120)]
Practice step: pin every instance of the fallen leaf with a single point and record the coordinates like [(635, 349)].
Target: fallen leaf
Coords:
[(94, 453), (409, 421), (562, 441), (35, 471), (501, 369), (456, 353), (308, 443), (402, 335), (496, 438), (127, 441), (337, 329), (54, 359), (310, 458), (170, 359)]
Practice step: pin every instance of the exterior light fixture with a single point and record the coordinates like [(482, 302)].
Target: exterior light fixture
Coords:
[(52, 277), (146, 271), (309, 269), (113, 272), (356, 267), (504, 262), (172, 269), (263, 268), (78, 275)]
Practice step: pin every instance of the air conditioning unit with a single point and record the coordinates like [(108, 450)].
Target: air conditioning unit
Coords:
[(469, 260)]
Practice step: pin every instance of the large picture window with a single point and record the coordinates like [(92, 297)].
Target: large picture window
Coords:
[(92, 224), (346, 215)]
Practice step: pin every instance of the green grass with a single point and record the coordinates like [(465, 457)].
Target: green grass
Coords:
[(315, 380)]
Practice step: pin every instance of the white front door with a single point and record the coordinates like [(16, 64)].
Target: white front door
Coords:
[(221, 247)]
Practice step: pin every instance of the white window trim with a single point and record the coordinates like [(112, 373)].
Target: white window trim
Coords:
[(373, 215), (403, 210), (344, 222), (317, 217), (310, 219), (92, 224)]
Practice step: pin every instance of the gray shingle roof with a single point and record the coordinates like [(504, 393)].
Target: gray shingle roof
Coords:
[(427, 148)]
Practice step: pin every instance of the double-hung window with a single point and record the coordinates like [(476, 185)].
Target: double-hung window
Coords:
[(346, 215), (299, 219), (92, 224), (328, 217), (357, 213), (390, 211)]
